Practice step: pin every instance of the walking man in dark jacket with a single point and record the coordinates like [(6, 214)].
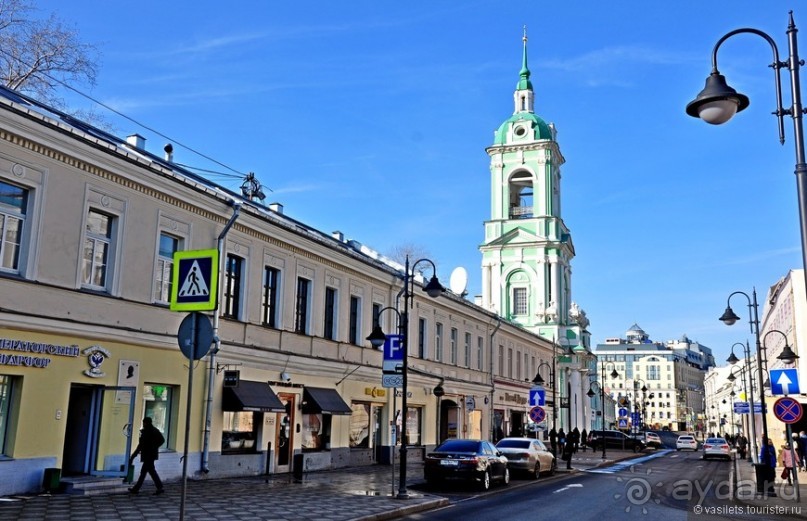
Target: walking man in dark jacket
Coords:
[(148, 447)]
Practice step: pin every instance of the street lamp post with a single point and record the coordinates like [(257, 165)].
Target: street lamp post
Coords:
[(718, 102), (732, 359), (377, 338), (591, 394), (730, 318), (540, 381), (643, 409)]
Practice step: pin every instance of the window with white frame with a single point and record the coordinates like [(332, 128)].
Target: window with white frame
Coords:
[(519, 301), (302, 307), (329, 327), (98, 248), (453, 347), (270, 302), (354, 324), (13, 210), (233, 279), (166, 248), (438, 342), (422, 350)]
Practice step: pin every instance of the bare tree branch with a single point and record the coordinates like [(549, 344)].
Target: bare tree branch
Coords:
[(37, 56)]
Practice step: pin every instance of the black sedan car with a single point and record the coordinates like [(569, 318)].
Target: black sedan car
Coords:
[(476, 461)]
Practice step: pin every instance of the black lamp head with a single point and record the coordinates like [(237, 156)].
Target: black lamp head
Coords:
[(717, 102)]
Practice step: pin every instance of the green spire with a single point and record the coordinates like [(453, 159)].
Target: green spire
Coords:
[(524, 81)]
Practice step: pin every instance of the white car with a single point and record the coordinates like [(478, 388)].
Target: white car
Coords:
[(686, 442), (716, 448)]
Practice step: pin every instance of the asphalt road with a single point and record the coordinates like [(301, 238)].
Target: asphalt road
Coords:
[(665, 485)]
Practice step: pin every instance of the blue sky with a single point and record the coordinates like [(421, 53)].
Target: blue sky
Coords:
[(372, 118)]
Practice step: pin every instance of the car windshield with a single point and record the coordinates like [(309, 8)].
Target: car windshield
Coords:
[(514, 444), (458, 446)]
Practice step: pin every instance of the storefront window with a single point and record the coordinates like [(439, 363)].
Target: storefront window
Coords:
[(239, 431), (312, 432), (414, 418), (5, 411), (360, 426), (157, 405)]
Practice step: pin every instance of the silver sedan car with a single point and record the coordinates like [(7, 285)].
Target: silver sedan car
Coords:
[(527, 455)]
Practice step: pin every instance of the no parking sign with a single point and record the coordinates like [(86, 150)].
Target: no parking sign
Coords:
[(537, 414), (788, 410)]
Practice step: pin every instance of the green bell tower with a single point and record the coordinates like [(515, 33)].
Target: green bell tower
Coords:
[(527, 251)]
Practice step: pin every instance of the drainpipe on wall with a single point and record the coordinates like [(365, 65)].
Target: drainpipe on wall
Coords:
[(492, 386), (211, 364)]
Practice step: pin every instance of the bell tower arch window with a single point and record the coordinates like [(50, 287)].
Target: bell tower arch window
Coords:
[(521, 192)]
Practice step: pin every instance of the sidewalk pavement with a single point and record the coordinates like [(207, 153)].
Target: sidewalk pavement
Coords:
[(785, 502), (354, 493)]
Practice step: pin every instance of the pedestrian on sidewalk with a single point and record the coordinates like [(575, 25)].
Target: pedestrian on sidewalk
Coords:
[(584, 439), (767, 458), (567, 451), (553, 441), (575, 439), (148, 447), (788, 463), (742, 445), (561, 440)]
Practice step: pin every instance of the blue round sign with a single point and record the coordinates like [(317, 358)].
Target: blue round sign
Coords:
[(623, 413), (787, 410)]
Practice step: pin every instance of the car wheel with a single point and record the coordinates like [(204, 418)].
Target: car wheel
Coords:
[(536, 472), (506, 478), (485, 484)]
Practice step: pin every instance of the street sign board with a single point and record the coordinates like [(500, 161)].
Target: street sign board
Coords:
[(392, 381), (537, 396), (194, 280), (623, 423), (784, 381), (623, 413), (788, 410), (195, 336), (741, 408), (537, 414), (393, 354)]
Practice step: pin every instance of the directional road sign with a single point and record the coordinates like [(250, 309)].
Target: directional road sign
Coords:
[(537, 396), (787, 409), (623, 412), (194, 280), (623, 423), (393, 354), (784, 381), (537, 414)]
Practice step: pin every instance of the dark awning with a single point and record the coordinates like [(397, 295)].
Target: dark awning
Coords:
[(328, 401), (251, 396)]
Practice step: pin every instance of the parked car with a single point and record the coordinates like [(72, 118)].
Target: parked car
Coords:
[(475, 461), (686, 442), (716, 448), (615, 440), (527, 455)]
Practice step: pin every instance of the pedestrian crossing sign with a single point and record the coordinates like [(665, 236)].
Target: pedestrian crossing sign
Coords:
[(194, 280)]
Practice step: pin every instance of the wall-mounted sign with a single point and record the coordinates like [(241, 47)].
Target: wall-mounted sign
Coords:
[(95, 357), (231, 378), (23, 353)]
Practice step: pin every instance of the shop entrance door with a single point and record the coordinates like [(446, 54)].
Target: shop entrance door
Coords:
[(98, 436), (284, 437)]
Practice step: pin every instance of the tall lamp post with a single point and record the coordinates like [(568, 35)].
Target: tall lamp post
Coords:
[(377, 338), (788, 357), (552, 382), (732, 359), (643, 409), (591, 394), (730, 318), (717, 103)]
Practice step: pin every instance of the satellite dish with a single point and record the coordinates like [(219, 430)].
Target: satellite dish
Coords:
[(459, 281)]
